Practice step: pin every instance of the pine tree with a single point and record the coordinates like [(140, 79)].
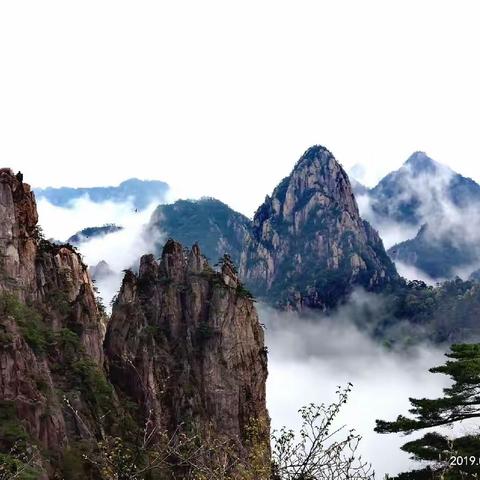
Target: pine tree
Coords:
[(460, 402)]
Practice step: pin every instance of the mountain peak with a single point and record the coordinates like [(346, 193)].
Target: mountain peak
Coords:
[(308, 232), (420, 162), (315, 152)]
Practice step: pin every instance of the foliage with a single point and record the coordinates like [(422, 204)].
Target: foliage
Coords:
[(20, 464), (158, 455), (92, 383), (215, 226), (58, 299), (225, 261), (460, 402), (12, 431), (319, 454), (17, 458), (413, 312), (244, 292), (69, 343), (29, 320)]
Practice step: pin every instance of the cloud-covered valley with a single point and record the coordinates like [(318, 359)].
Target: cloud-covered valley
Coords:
[(309, 358), (120, 250)]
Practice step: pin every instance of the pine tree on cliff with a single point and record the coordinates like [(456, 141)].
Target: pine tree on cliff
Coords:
[(460, 402)]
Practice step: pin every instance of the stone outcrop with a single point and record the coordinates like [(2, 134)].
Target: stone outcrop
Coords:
[(184, 342), (50, 325), (36, 271), (18, 235), (309, 246)]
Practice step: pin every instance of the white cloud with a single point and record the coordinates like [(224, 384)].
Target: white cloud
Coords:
[(215, 96), (412, 273), (390, 231), (60, 223), (308, 359), (446, 222), (121, 249)]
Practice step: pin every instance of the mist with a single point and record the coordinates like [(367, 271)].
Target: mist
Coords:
[(410, 272), (310, 357), (121, 249), (390, 231), (450, 223)]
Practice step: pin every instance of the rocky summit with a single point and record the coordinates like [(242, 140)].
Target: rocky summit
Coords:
[(309, 246), (180, 375), (51, 334), (185, 343)]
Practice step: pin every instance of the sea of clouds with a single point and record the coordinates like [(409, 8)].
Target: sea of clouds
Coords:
[(308, 357), (120, 250), (308, 360)]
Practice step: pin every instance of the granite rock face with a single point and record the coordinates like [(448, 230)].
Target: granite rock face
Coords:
[(184, 342), (37, 271), (50, 325), (309, 246), (18, 235)]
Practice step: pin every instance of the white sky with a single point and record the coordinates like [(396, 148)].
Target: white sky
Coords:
[(221, 98)]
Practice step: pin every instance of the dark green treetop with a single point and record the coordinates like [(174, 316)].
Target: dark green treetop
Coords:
[(461, 401)]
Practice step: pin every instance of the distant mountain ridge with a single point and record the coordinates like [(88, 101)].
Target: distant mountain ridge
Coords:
[(141, 192), (441, 203), (93, 232), (440, 258), (410, 193), (307, 247), (421, 194), (212, 224)]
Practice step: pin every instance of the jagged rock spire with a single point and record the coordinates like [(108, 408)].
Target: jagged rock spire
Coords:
[(309, 246)]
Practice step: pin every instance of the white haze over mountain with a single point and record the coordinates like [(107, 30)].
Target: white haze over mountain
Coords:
[(460, 225), (411, 272), (431, 190), (308, 359), (121, 249)]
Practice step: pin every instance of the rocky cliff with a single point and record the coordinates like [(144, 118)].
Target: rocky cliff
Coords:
[(51, 334), (184, 343), (184, 354), (37, 272), (308, 246)]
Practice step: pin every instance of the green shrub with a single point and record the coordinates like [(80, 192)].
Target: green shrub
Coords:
[(12, 466), (69, 343), (92, 383), (58, 299), (29, 320), (74, 466), (244, 292), (14, 445), (11, 429)]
